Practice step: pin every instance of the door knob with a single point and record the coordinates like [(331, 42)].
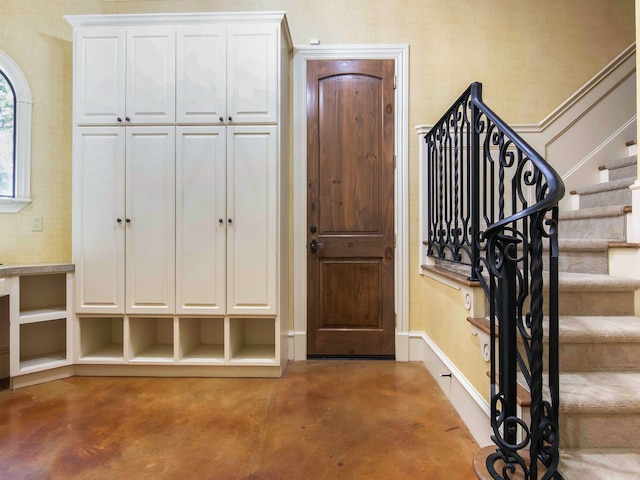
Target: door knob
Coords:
[(313, 246)]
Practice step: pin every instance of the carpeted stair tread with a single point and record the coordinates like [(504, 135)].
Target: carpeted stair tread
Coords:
[(600, 464), (596, 212), (620, 184), (575, 282), (601, 329), (621, 162), (600, 392)]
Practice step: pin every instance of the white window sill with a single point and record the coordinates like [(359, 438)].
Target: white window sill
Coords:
[(13, 205)]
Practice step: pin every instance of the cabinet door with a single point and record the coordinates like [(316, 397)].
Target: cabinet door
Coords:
[(151, 75), (252, 74), (201, 220), (150, 220), (252, 210), (99, 70), (201, 77), (98, 219)]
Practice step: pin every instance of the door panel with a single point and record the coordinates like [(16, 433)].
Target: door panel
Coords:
[(99, 75), (98, 247), (252, 74), (350, 136), (151, 75), (200, 220), (150, 221), (252, 221), (201, 89)]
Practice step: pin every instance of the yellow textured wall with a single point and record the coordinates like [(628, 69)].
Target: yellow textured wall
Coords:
[(37, 38)]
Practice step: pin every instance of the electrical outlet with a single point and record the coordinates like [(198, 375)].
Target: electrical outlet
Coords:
[(36, 224)]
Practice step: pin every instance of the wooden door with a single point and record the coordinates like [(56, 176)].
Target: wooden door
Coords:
[(350, 208)]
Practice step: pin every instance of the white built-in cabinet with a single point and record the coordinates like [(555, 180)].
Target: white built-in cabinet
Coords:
[(180, 165)]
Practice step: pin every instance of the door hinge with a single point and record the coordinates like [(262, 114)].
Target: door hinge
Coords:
[(395, 161), (395, 320), (395, 240), (395, 81)]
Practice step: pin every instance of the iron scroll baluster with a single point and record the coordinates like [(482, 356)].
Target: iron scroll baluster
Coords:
[(492, 204)]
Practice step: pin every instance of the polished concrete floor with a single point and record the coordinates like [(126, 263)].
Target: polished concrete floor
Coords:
[(323, 420)]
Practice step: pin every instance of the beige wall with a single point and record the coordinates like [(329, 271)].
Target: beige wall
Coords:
[(34, 34), (530, 56)]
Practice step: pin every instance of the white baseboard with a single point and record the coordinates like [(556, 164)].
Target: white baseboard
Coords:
[(470, 405)]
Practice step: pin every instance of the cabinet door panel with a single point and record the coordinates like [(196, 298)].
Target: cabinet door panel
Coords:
[(98, 246), (200, 220), (252, 254), (151, 71), (99, 66), (150, 228), (252, 74), (201, 75)]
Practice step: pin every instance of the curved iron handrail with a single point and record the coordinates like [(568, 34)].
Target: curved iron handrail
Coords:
[(492, 203)]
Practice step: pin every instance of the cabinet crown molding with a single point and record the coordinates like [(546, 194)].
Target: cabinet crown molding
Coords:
[(180, 19)]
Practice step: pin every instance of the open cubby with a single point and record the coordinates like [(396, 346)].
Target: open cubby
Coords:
[(42, 295), (101, 338), (201, 339), (151, 339), (43, 344), (252, 340)]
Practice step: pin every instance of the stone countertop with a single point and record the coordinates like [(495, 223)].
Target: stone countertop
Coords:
[(34, 269)]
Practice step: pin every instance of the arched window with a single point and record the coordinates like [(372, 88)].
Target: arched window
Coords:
[(15, 137)]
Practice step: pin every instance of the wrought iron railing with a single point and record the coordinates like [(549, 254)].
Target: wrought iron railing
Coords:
[(493, 204)]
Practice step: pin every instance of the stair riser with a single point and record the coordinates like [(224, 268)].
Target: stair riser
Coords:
[(607, 228), (630, 171), (604, 199), (596, 262), (593, 303), (603, 430), (599, 357)]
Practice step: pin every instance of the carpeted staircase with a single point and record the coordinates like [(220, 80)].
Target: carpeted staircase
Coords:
[(599, 335)]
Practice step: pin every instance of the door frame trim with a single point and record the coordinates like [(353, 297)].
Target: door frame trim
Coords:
[(301, 54)]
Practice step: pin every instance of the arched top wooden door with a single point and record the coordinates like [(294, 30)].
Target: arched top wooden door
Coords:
[(350, 208)]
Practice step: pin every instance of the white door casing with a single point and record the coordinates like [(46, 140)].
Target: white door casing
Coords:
[(400, 53)]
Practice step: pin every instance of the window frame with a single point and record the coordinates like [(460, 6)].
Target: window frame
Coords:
[(22, 136)]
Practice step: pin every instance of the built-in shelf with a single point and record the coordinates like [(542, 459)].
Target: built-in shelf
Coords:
[(101, 339), (151, 339), (43, 314), (201, 340), (43, 344), (252, 340), (41, 295)]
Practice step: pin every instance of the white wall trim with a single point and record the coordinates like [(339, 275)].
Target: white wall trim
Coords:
[(399, 53), (469, 404)]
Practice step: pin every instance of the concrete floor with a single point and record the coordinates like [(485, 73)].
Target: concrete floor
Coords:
[(323, 420)]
